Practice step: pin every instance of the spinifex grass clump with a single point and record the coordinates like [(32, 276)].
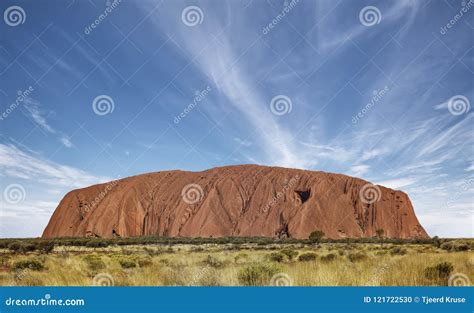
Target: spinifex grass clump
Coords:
[(357, 257), (276, 257), (30, 264), (256, 274), (290, 253), (127, 263), (439, 273), (328, 258), (94, 262), (307, 256), (398, 251), (144, 261)]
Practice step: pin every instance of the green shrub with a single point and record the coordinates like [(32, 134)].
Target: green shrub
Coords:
[(22, 247), (127, 263), (436, 242), (448, 246), (46, 246), (328, 258), (29, 247), (14, 246), (439, 272), (356, 257), (32, 264), (94, 262), (276, 257), (398, 251), (97, 244), (290, 253), (456, 245), (256, 274), (308, 256), (316, 236)]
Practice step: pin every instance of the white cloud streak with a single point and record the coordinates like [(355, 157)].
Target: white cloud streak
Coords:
[(15, 163)]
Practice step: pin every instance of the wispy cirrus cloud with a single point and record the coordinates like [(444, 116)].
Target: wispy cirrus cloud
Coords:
[(397, 183), (38, 115), (15, 163)]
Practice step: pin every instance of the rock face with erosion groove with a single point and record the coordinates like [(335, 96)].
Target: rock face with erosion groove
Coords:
[(244, 200)]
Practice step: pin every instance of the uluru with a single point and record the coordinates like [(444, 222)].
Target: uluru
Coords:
[(241, 200)]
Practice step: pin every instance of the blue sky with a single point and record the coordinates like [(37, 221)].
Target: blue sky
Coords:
[(374, 89)]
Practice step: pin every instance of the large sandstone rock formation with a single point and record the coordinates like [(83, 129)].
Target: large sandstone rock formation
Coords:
[(246, 200)]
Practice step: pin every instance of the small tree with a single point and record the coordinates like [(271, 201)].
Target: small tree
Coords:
[(316, 236), (380, 232), (46, 247), (436, 241)]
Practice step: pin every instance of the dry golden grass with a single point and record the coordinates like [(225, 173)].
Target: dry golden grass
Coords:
[(222, 265)]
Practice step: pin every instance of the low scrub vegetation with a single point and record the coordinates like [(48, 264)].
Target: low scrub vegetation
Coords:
[(277, 257), (357, 257), (37, 262), (94, 262), (398, 251), (256, 274), (328, 258), (439, 273), (457, 245), (38, 244), (31, 264), (307, 256), (291, 254)]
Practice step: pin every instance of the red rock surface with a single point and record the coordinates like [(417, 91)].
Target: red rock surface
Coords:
[(245, 200)]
